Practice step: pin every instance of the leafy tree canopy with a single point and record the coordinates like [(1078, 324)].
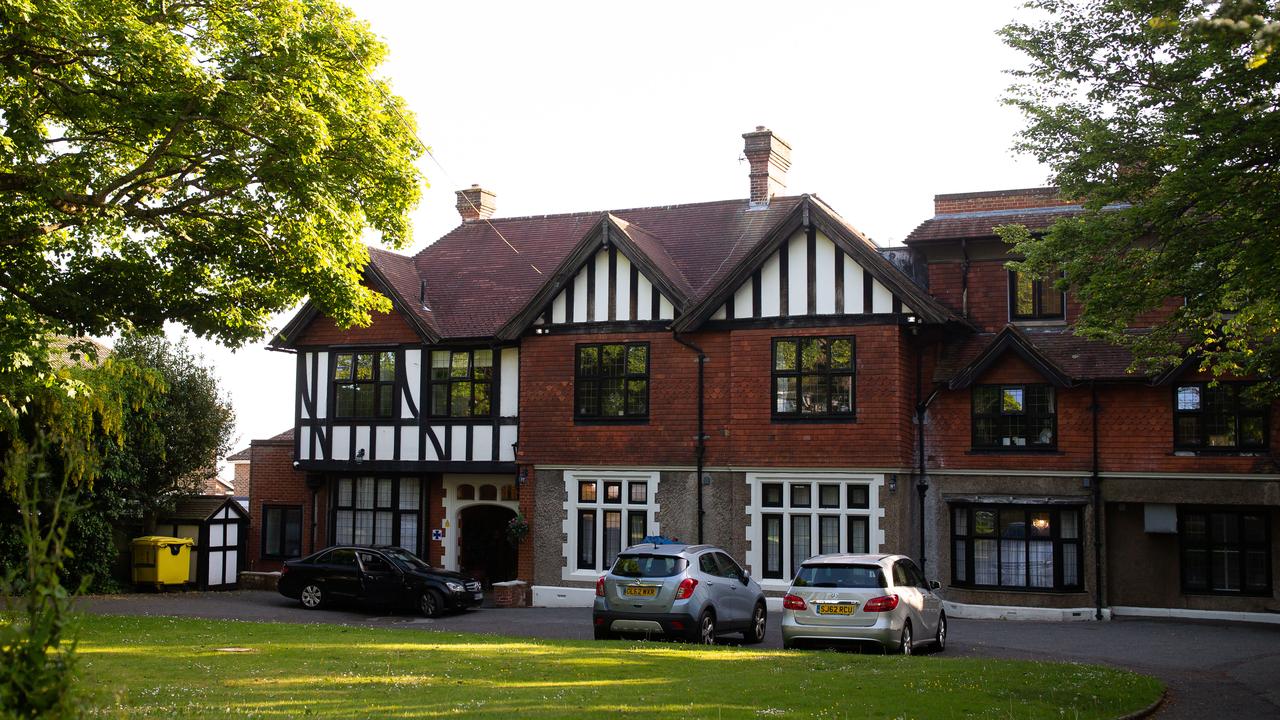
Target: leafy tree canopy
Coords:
[(209, 162), (1162, 117)]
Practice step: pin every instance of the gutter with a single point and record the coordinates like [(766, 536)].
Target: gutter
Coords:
[(700, 453)]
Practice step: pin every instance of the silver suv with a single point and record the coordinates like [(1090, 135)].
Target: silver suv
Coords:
[(693, 592)]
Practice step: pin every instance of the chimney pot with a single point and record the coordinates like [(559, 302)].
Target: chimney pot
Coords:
[(770, 158), (476, 203)]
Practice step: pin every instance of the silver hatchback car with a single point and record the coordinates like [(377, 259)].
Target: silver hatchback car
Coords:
[(871, 599), (692, 592)]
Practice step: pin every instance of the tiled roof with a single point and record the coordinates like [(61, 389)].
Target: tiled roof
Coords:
[(1075, 357), (982, 224), (241, 456), (481, 274), (197, 508)]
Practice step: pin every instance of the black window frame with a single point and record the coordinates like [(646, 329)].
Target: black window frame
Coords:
[(970, 536), (999, 416), (381, 410), (472, 379), (395, 507), (1242, 546), (1238, 413), (798, 374), (582, 381), (1039, 288), (282, 524)]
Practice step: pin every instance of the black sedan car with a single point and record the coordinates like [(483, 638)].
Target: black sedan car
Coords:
[(387, 576)]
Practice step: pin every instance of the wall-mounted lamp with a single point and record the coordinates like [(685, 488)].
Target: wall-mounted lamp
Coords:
[(360, 456), (893, 483), (541, 331)]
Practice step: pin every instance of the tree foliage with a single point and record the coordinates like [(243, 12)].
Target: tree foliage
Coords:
[(1162, 117), (209, 162)]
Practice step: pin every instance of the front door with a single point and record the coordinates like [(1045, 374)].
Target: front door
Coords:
[(484, 552)]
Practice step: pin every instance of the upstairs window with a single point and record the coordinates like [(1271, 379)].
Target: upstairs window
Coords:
[(611, 382), (1033, 298), (1221, 417), (813, 377), (461, 383), (1014, 417), (364, 384)]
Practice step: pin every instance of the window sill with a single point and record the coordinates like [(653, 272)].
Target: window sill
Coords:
[(1228, 593), (1225, 452), (1039, 322), (1019, 590), (815, 419), (611, 421), (1014, 451)]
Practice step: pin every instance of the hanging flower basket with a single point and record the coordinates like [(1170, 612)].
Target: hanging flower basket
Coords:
[(517, 529)]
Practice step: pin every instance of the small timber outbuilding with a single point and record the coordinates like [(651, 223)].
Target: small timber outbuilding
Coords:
[(218, 524)]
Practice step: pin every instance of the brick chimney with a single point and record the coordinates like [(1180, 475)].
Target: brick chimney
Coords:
[(476, 203), (994, 200), (770, 157)]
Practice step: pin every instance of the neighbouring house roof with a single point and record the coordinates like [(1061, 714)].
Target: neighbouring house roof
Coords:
[(62, 354), (239, 456), (483, 277), (982, 224), (199, 508)]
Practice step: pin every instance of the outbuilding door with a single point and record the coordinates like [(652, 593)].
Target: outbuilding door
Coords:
[(223, 547)]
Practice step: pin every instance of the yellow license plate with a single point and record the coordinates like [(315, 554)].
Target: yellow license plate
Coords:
[(640, 590), (836, 609)]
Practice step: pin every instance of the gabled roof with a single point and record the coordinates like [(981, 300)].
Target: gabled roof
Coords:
[(1064, 358), (199, 508), (241, 456), (487, 279), (854, 243), (982, 224)]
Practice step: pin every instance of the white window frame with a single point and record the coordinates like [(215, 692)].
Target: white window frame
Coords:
[(570, 570), (874, 513)]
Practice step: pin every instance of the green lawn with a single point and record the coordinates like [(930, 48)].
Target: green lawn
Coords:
[(170, 667)]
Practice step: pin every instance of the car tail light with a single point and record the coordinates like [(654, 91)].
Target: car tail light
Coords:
[(884, 603), (600, 587), (686, 588), (677, 625), (794, 602)]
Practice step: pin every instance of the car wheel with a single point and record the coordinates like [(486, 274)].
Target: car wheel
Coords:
[(706, 634), (904, 645), (312, 596), (940, 639), (431, 604), (755, 632)]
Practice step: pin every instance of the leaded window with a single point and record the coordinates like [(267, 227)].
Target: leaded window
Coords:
[(1016, 547), (461, 383), (364, 384), (1224, 416), (1225, 551), (378, 511), (1014, 417), (813, 377), (611, 381)]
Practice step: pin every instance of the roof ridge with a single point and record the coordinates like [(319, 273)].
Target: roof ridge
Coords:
[(610, 211)]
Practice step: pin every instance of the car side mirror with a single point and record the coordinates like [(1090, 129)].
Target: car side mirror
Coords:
[(934, 584), (745, 578)]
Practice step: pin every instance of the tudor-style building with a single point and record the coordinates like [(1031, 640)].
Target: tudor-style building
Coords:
[(758, 374)]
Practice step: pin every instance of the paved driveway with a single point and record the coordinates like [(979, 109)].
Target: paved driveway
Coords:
[(1212, 669)]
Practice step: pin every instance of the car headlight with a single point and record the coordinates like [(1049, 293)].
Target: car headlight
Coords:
[(454, 587)]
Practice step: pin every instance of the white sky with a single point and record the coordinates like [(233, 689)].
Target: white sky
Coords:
[(592, 106)]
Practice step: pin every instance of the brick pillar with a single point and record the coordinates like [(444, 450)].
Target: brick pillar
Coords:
[(524, 554)]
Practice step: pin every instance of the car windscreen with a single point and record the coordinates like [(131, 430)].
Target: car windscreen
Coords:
[(649, 566), (406, 560), (840, 576)]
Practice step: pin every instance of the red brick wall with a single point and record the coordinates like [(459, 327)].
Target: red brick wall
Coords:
[(524, 552), (998, 200), (275, 482), (390, 328), (1135, 432), (738, 404)]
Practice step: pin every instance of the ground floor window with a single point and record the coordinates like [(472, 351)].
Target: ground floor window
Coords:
[(281, 531), (1225, 551), (802, 517), (1016, 547), (608, 512), (378, 511)]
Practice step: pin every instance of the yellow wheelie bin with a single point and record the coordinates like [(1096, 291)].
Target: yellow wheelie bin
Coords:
[(160, 561)]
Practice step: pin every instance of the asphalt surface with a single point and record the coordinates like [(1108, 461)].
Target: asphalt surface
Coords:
[(1212, 669)]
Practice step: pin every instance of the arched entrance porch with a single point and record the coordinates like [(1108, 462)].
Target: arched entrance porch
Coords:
[(483, 549)]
